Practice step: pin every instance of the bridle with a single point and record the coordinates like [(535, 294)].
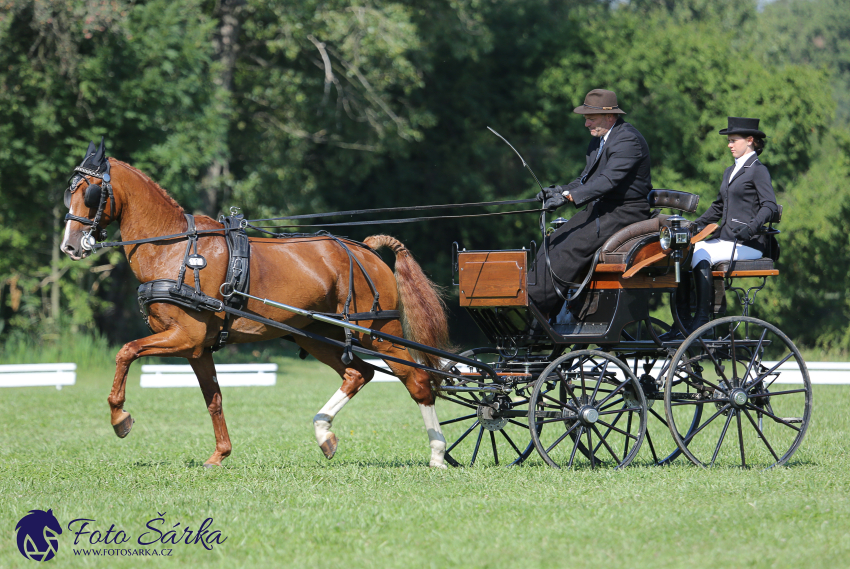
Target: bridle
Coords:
[(94, 196)]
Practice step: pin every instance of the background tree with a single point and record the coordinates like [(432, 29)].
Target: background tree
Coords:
[(286, 108)]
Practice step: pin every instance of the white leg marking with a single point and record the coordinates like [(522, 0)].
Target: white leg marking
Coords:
[(324, 418), (436, 440)]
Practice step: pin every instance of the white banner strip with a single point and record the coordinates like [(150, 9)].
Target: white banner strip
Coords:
[(227, 375)]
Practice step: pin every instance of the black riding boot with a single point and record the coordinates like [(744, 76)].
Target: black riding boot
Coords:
[(704, 285)]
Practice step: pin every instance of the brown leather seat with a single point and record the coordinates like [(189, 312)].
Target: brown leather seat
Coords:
[(616, 250)]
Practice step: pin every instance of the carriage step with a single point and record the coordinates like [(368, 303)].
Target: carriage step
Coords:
[(467, 389)]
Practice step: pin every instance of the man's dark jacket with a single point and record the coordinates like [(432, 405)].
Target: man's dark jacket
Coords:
[(746, 199), (616, 184)]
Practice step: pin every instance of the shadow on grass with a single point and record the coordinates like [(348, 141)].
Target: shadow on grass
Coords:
[(685, 463), (151, 463)]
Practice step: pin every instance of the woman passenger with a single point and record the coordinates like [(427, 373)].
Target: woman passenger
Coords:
[(745, 202)]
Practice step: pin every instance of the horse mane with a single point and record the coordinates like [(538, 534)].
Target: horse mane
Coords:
[(145, 177)]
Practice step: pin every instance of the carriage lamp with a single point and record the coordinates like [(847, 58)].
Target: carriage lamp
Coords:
[(676, 238)]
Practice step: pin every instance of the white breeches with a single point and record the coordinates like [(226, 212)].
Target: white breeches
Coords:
[(716, 251)]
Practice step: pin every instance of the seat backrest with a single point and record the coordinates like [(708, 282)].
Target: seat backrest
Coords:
[(617, 248), (683, 201)]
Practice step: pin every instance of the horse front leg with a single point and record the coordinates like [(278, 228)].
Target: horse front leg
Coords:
[(354, 376), (167, 343), (204, 368)]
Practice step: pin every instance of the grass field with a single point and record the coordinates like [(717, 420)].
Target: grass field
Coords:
[(279, 503)]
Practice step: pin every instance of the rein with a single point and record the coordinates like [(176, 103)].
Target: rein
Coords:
[(262, 228), (394, 221), (394, 209)]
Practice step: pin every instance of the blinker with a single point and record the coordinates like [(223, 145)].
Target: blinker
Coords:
[(93, 195)]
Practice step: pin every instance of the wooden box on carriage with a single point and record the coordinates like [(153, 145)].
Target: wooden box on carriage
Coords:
[(493, 278)]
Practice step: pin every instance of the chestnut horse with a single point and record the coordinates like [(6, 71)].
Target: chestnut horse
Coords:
[(309, 272)]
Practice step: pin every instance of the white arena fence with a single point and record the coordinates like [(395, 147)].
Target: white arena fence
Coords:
[(234, 375), (227, 375), (34, 375), (820, 373)]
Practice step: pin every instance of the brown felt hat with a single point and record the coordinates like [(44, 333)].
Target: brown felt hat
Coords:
[(600, 102)]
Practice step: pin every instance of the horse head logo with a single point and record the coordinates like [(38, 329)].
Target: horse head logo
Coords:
[(38, 535)]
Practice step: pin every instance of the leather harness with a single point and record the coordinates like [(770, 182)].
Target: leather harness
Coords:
[(237, 278)]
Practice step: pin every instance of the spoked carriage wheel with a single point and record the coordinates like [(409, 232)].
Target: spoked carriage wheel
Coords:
[(753, 386), (486, 428), (587, 409), (651, 367)]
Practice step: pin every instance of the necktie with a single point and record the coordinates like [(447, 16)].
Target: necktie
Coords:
[(598, 152)]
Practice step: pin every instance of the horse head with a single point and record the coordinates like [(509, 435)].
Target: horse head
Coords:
[(87, 196)]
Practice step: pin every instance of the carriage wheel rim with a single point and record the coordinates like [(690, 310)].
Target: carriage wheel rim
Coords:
[(738, 417)]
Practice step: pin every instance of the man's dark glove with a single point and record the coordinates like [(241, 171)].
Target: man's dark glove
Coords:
[(743, 232), (696, 227), (554, 202), (547, 193)]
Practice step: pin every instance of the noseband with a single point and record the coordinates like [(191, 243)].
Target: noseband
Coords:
[(94, 195)]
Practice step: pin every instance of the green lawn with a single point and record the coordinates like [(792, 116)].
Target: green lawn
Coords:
[(281, 504)]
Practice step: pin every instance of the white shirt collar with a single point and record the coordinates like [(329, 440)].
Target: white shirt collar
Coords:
[(605, 136), (739, 163)]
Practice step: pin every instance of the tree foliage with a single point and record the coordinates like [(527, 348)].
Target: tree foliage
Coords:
[(320, 105)]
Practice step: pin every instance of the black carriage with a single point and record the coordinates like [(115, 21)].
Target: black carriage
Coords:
[(603, 389)]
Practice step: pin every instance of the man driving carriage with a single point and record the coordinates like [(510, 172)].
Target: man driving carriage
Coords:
[(614, 186)]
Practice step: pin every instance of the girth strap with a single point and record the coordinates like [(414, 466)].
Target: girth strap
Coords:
[(238, 277)]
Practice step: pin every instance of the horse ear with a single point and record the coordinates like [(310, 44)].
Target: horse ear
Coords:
[(90, 151), (99, 154)]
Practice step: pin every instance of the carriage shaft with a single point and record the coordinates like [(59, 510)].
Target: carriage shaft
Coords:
[(381, 336)]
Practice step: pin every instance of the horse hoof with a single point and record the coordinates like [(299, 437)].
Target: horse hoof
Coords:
[(440, 466), (211, 464), (122, 428), (329, 446)]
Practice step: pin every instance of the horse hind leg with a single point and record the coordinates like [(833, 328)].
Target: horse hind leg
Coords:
[(204, 368), (418, 384)]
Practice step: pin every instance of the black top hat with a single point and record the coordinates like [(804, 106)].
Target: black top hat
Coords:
[(600, 102), (744, 127)]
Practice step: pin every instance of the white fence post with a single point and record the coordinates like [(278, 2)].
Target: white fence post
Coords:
[(30, 375), (228, 375)]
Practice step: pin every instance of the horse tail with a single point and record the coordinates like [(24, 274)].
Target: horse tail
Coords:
[(423, 310)]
